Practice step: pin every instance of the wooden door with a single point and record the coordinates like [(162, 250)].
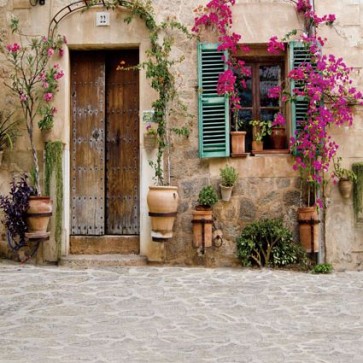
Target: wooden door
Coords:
[(104, 150)]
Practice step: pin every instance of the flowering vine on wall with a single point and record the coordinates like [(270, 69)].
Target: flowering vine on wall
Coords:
[(32, 81), (324, 81)]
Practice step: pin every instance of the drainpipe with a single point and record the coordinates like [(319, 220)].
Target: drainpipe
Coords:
[(322, 211)]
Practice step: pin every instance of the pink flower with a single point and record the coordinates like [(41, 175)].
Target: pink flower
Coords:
[(23, 97), (274, 46), (274, 92), (13, 48), (279, 120), (59, 74), (50, 52), (48, 96)]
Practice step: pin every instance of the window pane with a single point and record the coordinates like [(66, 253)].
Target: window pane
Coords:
[(245, 93), (270, 76), (268, 115)]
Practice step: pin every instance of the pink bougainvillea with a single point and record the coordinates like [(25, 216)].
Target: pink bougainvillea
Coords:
[(326, 84)]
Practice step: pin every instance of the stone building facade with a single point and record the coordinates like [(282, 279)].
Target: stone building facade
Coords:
[(267, 187)]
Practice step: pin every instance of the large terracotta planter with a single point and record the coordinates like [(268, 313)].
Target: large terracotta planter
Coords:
[(38, 214), (345, 187), (202, 227), (238, 142), (309, 228), (163, 204), (278, 138)]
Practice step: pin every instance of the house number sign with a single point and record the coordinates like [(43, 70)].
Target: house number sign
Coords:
[(102, 18)]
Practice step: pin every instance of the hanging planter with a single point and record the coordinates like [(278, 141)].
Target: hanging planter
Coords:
[(163, 204), (150, 142), (202, 227), (345, 187)]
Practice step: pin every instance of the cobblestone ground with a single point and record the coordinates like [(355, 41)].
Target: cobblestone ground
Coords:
[(173, 314)]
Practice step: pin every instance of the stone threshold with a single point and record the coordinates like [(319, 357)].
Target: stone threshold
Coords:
[(108, 260)]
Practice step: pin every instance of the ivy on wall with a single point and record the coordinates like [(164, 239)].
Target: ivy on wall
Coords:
[(53, 164), (358, 191)]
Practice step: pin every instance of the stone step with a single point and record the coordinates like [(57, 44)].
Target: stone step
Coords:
[(95, 261)]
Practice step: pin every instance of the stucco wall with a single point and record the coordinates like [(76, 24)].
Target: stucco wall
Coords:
[(267, 186)]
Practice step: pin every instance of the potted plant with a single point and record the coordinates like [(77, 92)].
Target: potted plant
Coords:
[(203, 217), (32, 81), (259, 130), (345, 177), (229, 176), (238, 136), (8, 132), (150, 138), (278, 133)]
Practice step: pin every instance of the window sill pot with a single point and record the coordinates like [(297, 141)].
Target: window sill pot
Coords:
[(278, 138), (309, 228), (257, 145), (163, 204), (238, 142), (345, 187)]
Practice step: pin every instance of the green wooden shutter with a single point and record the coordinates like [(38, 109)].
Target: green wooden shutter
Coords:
[(213, 109), (298, 54)]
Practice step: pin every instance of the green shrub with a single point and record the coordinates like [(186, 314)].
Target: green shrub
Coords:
[(229, 176), (207, 196), (322, 268), (269, 243)]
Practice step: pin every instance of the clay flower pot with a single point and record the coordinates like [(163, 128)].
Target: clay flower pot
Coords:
[(345, 187)]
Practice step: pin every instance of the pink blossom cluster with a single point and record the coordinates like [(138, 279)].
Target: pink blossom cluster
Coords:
[(274, 46), (218, 14), (279, 120), (327, 85), (13, 48)]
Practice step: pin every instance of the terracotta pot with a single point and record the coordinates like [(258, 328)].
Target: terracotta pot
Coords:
[(38, 214), (309, 228), (257, 145), (150, 142), (238, 142), (163, 204), (47, 135), (226, 192), (278, 138), (345, 188), (202, 227)]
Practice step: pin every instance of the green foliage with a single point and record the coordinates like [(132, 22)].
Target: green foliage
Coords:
[(358, 189), (261, 129), (322, 268), (342, 173), (229, 176), (207, 196), (53, 163), (269, 243), (8, 130)]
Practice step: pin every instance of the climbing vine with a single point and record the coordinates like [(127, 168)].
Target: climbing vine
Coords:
[(158, 68), (53, 164), (358, 189)]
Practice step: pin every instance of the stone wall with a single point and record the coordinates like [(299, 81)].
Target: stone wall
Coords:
[(267, 187)]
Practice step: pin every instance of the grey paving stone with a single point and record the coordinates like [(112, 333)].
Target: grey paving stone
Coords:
[(174, 314)]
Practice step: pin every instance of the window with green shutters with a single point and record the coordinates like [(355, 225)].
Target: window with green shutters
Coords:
[(213, 109), (298, 54)]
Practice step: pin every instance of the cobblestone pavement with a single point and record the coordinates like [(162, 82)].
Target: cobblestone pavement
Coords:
[(174, 314)]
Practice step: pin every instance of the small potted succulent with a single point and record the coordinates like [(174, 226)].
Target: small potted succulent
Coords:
[(229, 176), (203, 217), (346, 178)]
